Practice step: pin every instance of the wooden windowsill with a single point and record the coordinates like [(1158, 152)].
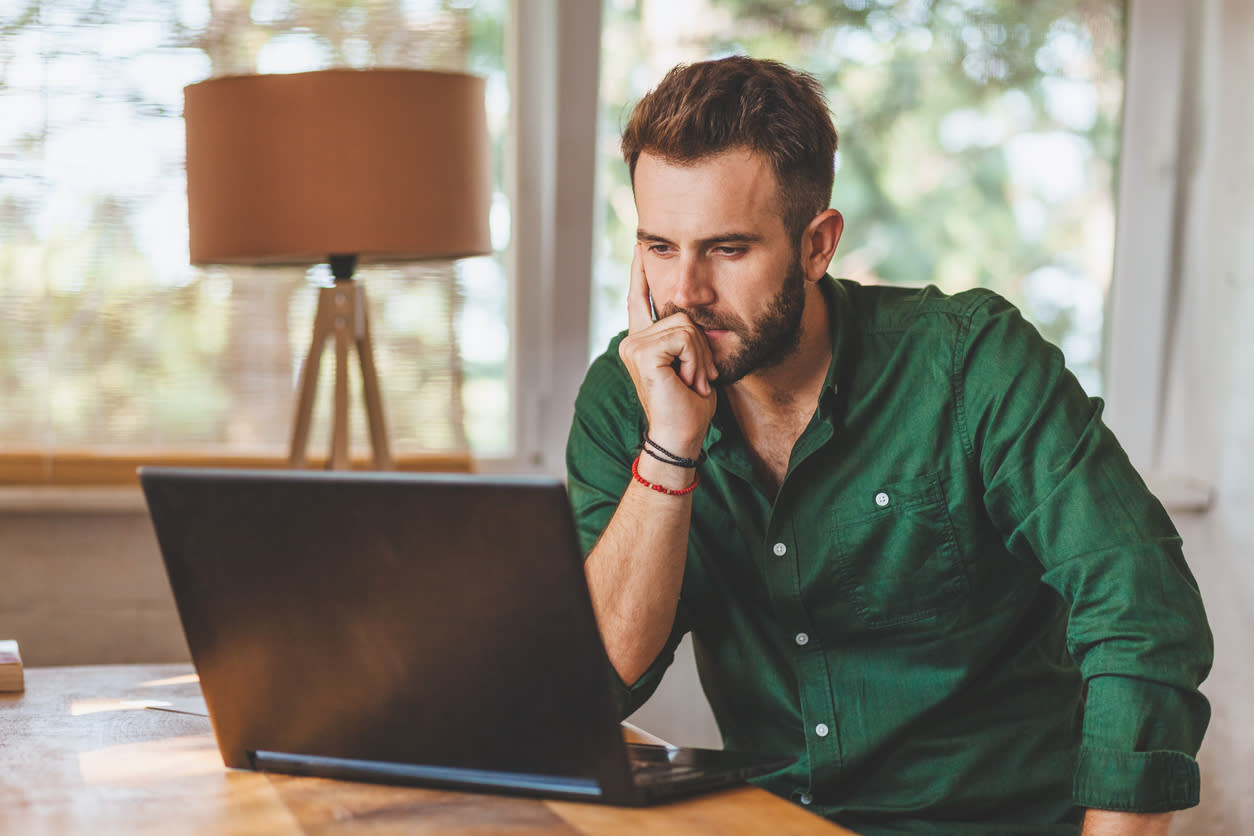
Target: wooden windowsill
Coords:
[(85, 499), (107, 483)]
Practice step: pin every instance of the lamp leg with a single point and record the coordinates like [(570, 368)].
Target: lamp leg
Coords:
[(323, 323), (345, 314), (341, 312), (370, 387)]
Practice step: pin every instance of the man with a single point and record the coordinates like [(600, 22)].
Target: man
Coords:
[(909, 552)]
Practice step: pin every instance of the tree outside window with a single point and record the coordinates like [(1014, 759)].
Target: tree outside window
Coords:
[(109, 340), (978, 140)]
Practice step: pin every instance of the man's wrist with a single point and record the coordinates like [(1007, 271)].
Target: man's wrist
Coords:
[(1113, 823), (656, 451), (657, 472), (672, 444), (689, 478)]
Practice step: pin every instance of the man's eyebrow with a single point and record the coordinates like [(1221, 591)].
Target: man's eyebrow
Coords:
[(721, 238), (731, 238)]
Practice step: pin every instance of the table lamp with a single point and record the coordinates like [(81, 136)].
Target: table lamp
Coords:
[(343, 167)]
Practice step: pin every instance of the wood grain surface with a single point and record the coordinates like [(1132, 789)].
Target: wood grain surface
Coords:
[(106, 749)]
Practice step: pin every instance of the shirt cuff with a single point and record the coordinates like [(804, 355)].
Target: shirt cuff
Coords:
[(628, 698), (1136, 782)]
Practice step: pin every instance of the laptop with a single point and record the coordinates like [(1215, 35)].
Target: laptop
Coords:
[(429, 629)]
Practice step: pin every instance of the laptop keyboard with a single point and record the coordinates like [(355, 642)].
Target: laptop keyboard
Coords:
[(648, 772), (653, 764)]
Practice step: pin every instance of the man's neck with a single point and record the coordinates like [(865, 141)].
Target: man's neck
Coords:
[(773, 406)]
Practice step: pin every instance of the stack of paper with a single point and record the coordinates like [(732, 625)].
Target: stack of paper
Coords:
[(10, 667)]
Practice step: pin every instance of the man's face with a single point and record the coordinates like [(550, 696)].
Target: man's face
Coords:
[(715, 247)]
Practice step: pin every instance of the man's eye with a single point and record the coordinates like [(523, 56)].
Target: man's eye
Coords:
[(730, 251), (659, 249)]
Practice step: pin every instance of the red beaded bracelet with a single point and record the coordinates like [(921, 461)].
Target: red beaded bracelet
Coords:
[(635, 473)]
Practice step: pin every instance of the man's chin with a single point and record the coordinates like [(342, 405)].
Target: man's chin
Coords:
[(740, 366), (727, 375)]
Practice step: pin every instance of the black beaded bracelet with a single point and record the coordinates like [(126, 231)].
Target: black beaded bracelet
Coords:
[(664, 455)]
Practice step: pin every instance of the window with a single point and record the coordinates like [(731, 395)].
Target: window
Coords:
[(978, 144), (110, 343), (978, 141)]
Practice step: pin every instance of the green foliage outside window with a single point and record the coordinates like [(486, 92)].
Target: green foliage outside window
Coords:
[(109, 340), (978, 140)]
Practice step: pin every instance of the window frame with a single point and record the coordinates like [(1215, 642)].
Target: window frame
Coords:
[(553, 60), (549, 266), (1161, 35)]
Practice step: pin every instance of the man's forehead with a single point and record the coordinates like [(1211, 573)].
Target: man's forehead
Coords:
[(730, 193)]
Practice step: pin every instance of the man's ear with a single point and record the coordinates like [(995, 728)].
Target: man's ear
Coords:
[(818, 243)]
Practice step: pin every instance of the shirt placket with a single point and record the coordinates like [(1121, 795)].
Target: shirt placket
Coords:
[(819, 714)]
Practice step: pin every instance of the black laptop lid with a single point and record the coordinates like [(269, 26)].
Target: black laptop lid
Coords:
[(424, 619)]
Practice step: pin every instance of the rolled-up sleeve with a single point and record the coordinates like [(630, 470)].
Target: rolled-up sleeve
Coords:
[(1062, 492), (600, 446)]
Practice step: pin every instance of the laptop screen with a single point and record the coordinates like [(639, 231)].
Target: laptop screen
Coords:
[(423, 619)]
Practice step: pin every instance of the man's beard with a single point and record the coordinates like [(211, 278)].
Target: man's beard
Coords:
[(774, 337)]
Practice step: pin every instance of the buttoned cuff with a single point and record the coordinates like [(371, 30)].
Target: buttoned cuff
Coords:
[(1136, 782)]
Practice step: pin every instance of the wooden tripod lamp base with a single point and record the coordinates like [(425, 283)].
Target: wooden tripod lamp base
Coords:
[(341, 316)]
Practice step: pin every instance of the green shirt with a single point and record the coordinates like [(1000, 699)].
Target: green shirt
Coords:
[(963, 611)]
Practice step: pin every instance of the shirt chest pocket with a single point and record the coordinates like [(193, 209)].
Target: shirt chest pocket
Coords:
[(897, 557)]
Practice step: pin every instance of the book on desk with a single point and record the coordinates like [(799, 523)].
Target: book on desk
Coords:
[(11, 678)]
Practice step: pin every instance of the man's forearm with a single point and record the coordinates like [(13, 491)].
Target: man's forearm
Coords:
[(636, 569), (1111, 823), (634, 576)]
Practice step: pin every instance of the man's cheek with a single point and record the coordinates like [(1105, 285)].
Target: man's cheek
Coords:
[(661, 285)]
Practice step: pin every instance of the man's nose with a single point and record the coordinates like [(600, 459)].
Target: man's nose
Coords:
[(693, 288)]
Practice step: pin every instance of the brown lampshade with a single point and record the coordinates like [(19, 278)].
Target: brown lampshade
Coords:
[(388, 165)]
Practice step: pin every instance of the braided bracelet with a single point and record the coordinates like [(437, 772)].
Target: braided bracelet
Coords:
[(635, 474), (664, 455)]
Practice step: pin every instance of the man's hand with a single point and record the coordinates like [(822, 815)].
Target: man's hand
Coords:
[(672, 367), (1111, 823)]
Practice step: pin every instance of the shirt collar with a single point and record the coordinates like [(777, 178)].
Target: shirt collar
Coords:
[(840, 323)]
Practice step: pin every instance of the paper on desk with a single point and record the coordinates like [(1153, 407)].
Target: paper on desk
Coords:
[(179, 705), (634, 734)]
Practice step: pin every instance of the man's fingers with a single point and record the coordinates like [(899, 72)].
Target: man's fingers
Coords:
[(639, 311), (669, 363), (695, 367), (692, 372), (701, 358), (696, 362), (677, 346)]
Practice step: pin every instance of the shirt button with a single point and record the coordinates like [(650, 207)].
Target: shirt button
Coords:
[(801, 639), (805, 798), (822, 730), (881, 499), (780, 550)]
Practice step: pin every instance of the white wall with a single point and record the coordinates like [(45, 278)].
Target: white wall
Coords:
[(81, 581), (1208, 429)]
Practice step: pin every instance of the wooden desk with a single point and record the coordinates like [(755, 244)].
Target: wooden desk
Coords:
[(81, 752)]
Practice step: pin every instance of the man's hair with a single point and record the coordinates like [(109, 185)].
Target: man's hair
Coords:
[(738, 102)]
